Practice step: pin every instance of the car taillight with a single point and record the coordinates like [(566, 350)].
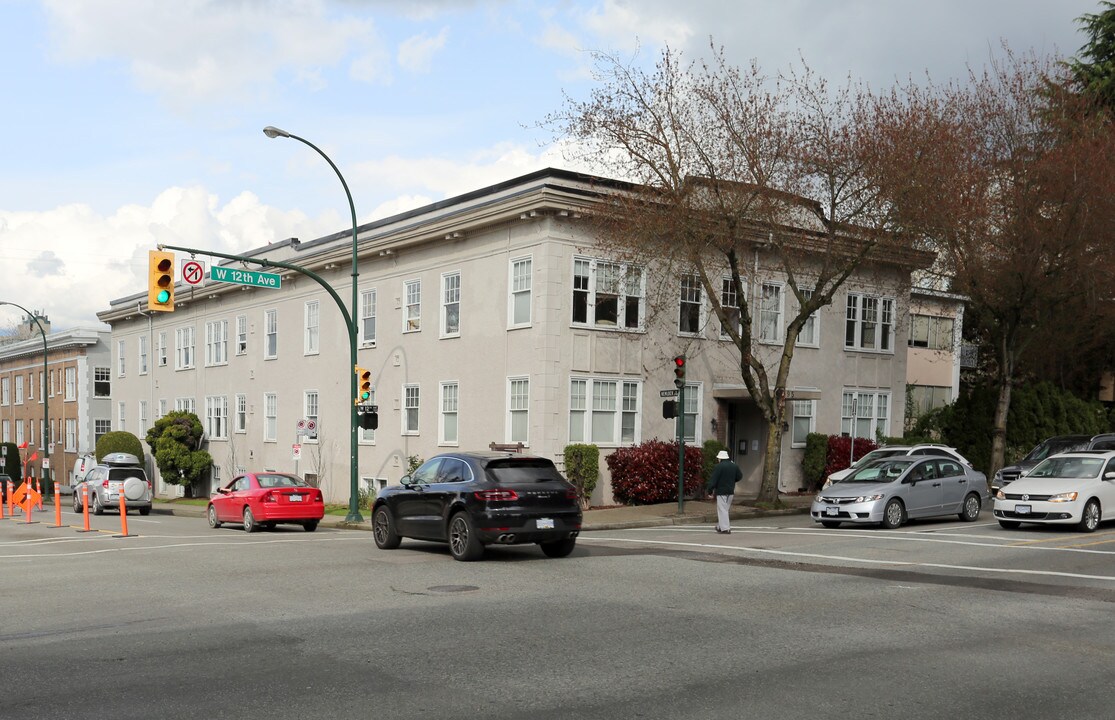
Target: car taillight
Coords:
[(105, 484), (496, 495), (269, 497), (571, 495)]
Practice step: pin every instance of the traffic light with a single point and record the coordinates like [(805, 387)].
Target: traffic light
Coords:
[(160, 281), (363, 385), (669, 409), (679, 371)]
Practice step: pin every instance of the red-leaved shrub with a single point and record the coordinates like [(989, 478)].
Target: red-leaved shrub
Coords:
[(648, 473), (839, 451)]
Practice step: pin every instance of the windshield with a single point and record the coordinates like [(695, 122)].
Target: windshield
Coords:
[(1052, 447), (880, 471), (877, 455), (1068, 467)]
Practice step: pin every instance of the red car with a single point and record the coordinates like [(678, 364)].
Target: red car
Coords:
[(265, 499)]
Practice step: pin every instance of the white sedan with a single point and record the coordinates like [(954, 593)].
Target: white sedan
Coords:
[(1076, 488)]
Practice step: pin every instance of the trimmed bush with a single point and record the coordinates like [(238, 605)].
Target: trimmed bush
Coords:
[(648, 473), (11, 465), (839, 449), (582, 468), (709, 450), (118, 441), (814, 461)]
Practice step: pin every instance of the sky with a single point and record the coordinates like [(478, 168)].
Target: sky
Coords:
[(128, 123)]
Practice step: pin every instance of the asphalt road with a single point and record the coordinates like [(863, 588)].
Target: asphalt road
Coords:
[(780, 619)]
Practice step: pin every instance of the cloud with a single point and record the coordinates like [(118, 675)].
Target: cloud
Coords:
[(416, 53), (46, 264)]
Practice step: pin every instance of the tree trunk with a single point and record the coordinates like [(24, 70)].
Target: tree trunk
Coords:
[(999, 431), (772, 463)]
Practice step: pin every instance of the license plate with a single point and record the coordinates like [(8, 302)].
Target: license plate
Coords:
[(296, 498), (832, 511), (1021, 509), (115, 486), (545, 523)]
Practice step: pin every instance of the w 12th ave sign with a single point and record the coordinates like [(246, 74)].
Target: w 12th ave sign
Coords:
[(245, 277)]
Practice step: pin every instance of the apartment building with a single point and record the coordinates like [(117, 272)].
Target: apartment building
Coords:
[(492, 317)]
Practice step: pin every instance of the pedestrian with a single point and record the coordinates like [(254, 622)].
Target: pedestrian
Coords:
[(722, 484)]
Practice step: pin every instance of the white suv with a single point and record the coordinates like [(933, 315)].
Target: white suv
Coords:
[(116, 473), (892, 450)]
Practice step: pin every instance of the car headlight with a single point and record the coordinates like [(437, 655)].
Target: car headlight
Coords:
[(869, 498), (1063, 497), (999, 495), (827, 485)]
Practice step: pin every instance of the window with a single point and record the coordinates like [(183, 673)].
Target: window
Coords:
[(367, 436), (924, 398), (607, 294), (449, 403), (120, 358), (121, 416), (310, 412), (689, 314), (770, 313), (71, 383), (869, 323), (31, 432), (368, 318), (604, 411), (311, 343), (865, 411), (929, 331), (241, 422), (184, 404), (160, 349), (7, 431), (518, 410), (810, 331), (271, 334), (100, 428), (183, 348), (18, 389), (42, 388), (18, 432), (216, 342), (802, 421), (241, 334), (410, 409), (729, 302), (216, 417), (270, 417), (691, 413), (519, 309), (162, 408), (412, 317), (451, 305), (5, 391), (71, 435), (142, 427), (142, 354), (30, 386)]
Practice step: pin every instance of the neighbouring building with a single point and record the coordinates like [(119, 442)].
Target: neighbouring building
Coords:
[(491, 318), (75, 385), (934, 350)]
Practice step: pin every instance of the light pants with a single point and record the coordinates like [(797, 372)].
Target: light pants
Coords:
[(723, 503)]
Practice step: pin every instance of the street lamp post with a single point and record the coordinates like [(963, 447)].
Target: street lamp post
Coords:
[(353, 498), (42, 390)]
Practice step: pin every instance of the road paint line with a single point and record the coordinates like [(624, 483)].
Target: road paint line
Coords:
[(152, 548)]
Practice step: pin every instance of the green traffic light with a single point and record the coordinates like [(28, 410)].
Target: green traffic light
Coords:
[(163, 296), (365, 395)]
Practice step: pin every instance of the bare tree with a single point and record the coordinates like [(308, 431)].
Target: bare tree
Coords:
[(729, 164)]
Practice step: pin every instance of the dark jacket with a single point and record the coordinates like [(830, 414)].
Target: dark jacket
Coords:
[(724, 477)]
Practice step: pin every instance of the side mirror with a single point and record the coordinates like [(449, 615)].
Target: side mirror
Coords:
[(1109, 475), (406, 481), (222, 491)]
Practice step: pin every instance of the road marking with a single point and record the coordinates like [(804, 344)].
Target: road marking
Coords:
[(130, 547), (842, 558)]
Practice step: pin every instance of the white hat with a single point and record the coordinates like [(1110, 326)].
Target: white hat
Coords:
[(722, 455)]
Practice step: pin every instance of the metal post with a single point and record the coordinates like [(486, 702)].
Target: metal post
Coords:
[(681, 449)]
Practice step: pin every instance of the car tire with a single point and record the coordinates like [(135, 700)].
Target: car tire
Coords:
[(1090, 518), (249, 520), (145, 510), (833, 524), (558, 548), (77, 502), (211, 513), (464, 545), (97, 508), (310, 525), (894, 514), (383, 529), (969, 511), (1010, 524)]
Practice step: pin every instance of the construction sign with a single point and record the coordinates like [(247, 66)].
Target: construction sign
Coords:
[(27, 497)]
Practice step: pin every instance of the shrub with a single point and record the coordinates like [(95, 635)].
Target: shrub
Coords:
[(118, 441), (11, 465), (648, 473), (582, 468), (839, 449), (814, 461), (711, 447)]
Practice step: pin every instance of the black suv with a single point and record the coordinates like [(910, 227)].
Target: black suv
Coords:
[(473, 499), (1047, 447)]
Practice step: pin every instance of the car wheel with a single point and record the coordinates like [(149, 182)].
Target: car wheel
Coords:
[(77, 502), (310, 525), (831, 523), (383, 529), (893, 514), (1010, 524), (97, 508), (558, 548), (212, 515), (1090, 519), (464, 545), (145, 510), (969, 512), (249, 520)]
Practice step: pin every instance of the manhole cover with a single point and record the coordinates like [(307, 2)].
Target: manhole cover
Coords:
[(452, 588)]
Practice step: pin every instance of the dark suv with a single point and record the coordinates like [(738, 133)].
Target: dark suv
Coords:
[(473, 499), (1047, 447)]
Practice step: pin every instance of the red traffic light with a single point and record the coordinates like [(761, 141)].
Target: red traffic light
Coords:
[(679, 371)]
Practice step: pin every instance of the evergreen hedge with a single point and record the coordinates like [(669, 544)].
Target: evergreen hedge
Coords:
[(582, 468)]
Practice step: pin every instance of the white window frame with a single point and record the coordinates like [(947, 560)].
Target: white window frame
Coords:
[(691, 303), (772, 312), (216, 417), (142, 417), (810, 335), (184, 404), (101, 427), (411, 416), (588, 401), (161, 349), (861, 311), (71, 384), (692, 414), (802, 409), (311, 314), (939, 331), (866, 425), (5, 391), (142, 354), (730, 300), (216, 343), (270, 334), (630, 287), (368, 301), (241, 334), (412, 306), (450, 305), (311, 411), (122, 415), (240, 419), (184, 348), (71, 435), (449, 403), (121, 362), (270, 417), (520, 295), (19, 389), (518, 410)]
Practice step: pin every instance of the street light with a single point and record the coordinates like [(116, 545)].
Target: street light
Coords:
[(350, 322), (46, 373)]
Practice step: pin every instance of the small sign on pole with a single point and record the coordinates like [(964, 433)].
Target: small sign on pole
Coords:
[(297, 451)]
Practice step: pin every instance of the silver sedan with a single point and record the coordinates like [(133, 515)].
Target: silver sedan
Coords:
[(890, 491)]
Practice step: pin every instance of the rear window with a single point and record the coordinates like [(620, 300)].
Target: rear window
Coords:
[(125, 473), (274, 481), (516, 470)]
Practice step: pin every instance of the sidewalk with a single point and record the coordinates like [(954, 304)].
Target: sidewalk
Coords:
[(696, 512)]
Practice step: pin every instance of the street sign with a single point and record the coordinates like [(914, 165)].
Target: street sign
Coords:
[(297, 451), (46, 463), (245, 277), (667, 393), (193, 272)]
